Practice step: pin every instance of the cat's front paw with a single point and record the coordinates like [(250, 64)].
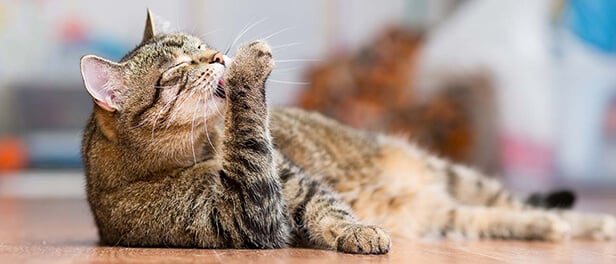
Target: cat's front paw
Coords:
[(252, 64), (363, 239)]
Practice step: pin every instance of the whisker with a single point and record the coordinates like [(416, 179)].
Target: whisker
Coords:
[(207, 135), (277, 32), (288, 82), (277, 70), (168, 104), (192, 133), (177, 110), (299, 60), (244, 31), (210, 33), (194, 86), (285, 45), (216, 104)]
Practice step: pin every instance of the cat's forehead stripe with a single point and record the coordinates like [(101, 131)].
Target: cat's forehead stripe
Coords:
[(178, 41)]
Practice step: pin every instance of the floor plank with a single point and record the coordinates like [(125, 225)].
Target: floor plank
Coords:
[(61, 231)]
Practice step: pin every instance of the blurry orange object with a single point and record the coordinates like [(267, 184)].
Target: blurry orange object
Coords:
[(376, 88), (12, 154)]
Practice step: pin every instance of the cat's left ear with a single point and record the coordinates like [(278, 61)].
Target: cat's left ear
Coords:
[(103, 80), (154, 25)]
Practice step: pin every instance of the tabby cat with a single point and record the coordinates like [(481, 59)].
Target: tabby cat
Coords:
[(181, 150)]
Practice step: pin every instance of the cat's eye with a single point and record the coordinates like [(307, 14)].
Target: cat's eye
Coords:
[(182, 63), (178, 65), (202, 47)]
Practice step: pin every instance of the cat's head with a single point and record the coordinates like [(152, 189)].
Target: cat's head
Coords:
[(169, 81)]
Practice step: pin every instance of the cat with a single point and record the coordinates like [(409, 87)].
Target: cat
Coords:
[(181, 150)]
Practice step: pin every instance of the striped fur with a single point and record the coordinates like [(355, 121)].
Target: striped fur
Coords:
[(245, 176)]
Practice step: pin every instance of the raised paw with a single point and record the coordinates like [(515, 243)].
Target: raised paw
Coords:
[(252, 64), (363, 239)]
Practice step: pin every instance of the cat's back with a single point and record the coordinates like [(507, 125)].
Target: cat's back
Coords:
[(323, 146)]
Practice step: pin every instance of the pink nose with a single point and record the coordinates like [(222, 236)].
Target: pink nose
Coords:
[(217, 58)]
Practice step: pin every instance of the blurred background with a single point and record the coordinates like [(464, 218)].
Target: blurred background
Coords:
[(522, 89)]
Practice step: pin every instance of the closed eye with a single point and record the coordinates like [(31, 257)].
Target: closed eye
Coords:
[(180, 64), (182, 61)]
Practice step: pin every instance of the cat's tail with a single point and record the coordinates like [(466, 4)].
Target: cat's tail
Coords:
[(471, 187), (559, 199)]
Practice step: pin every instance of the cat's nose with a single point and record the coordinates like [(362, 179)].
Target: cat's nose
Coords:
[(217, 58)]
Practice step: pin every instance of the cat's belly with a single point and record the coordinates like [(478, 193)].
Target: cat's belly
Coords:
[(384, 180)]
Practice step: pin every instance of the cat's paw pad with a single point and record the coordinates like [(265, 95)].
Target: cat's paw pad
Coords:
[(363, 239), (252, 64), (260, 48), (260, 53), (550, 228)]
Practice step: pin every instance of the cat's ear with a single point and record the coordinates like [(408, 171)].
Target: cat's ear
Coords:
[(150, 28), (154, 25), (103, 80)]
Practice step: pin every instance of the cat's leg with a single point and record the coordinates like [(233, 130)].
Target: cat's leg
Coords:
[(248, 166), (470, 187), (590, 225), (494, 222), (320, 219)]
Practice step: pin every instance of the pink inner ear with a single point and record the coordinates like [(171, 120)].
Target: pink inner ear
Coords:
[(96, 75)]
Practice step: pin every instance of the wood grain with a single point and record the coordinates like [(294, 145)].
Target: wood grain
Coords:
[(62, 231)]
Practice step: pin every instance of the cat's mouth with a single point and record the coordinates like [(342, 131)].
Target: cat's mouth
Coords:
[(220, 89)]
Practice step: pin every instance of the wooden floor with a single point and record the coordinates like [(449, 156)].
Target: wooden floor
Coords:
[(61, 231)]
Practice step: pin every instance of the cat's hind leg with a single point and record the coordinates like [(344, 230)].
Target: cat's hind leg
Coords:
[(590, 225), (465, 185), (320, 219), (472, 188), (493, 222)]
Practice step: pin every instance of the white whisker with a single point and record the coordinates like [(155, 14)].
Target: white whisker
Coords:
[(299, 60), (192, 133), (210, 33), (177, 109), (241, 34), (160, 112), (277, 70), (194, 87), (215, 104), (277, 32), (207, 135), (288, 82), (285, 45)]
